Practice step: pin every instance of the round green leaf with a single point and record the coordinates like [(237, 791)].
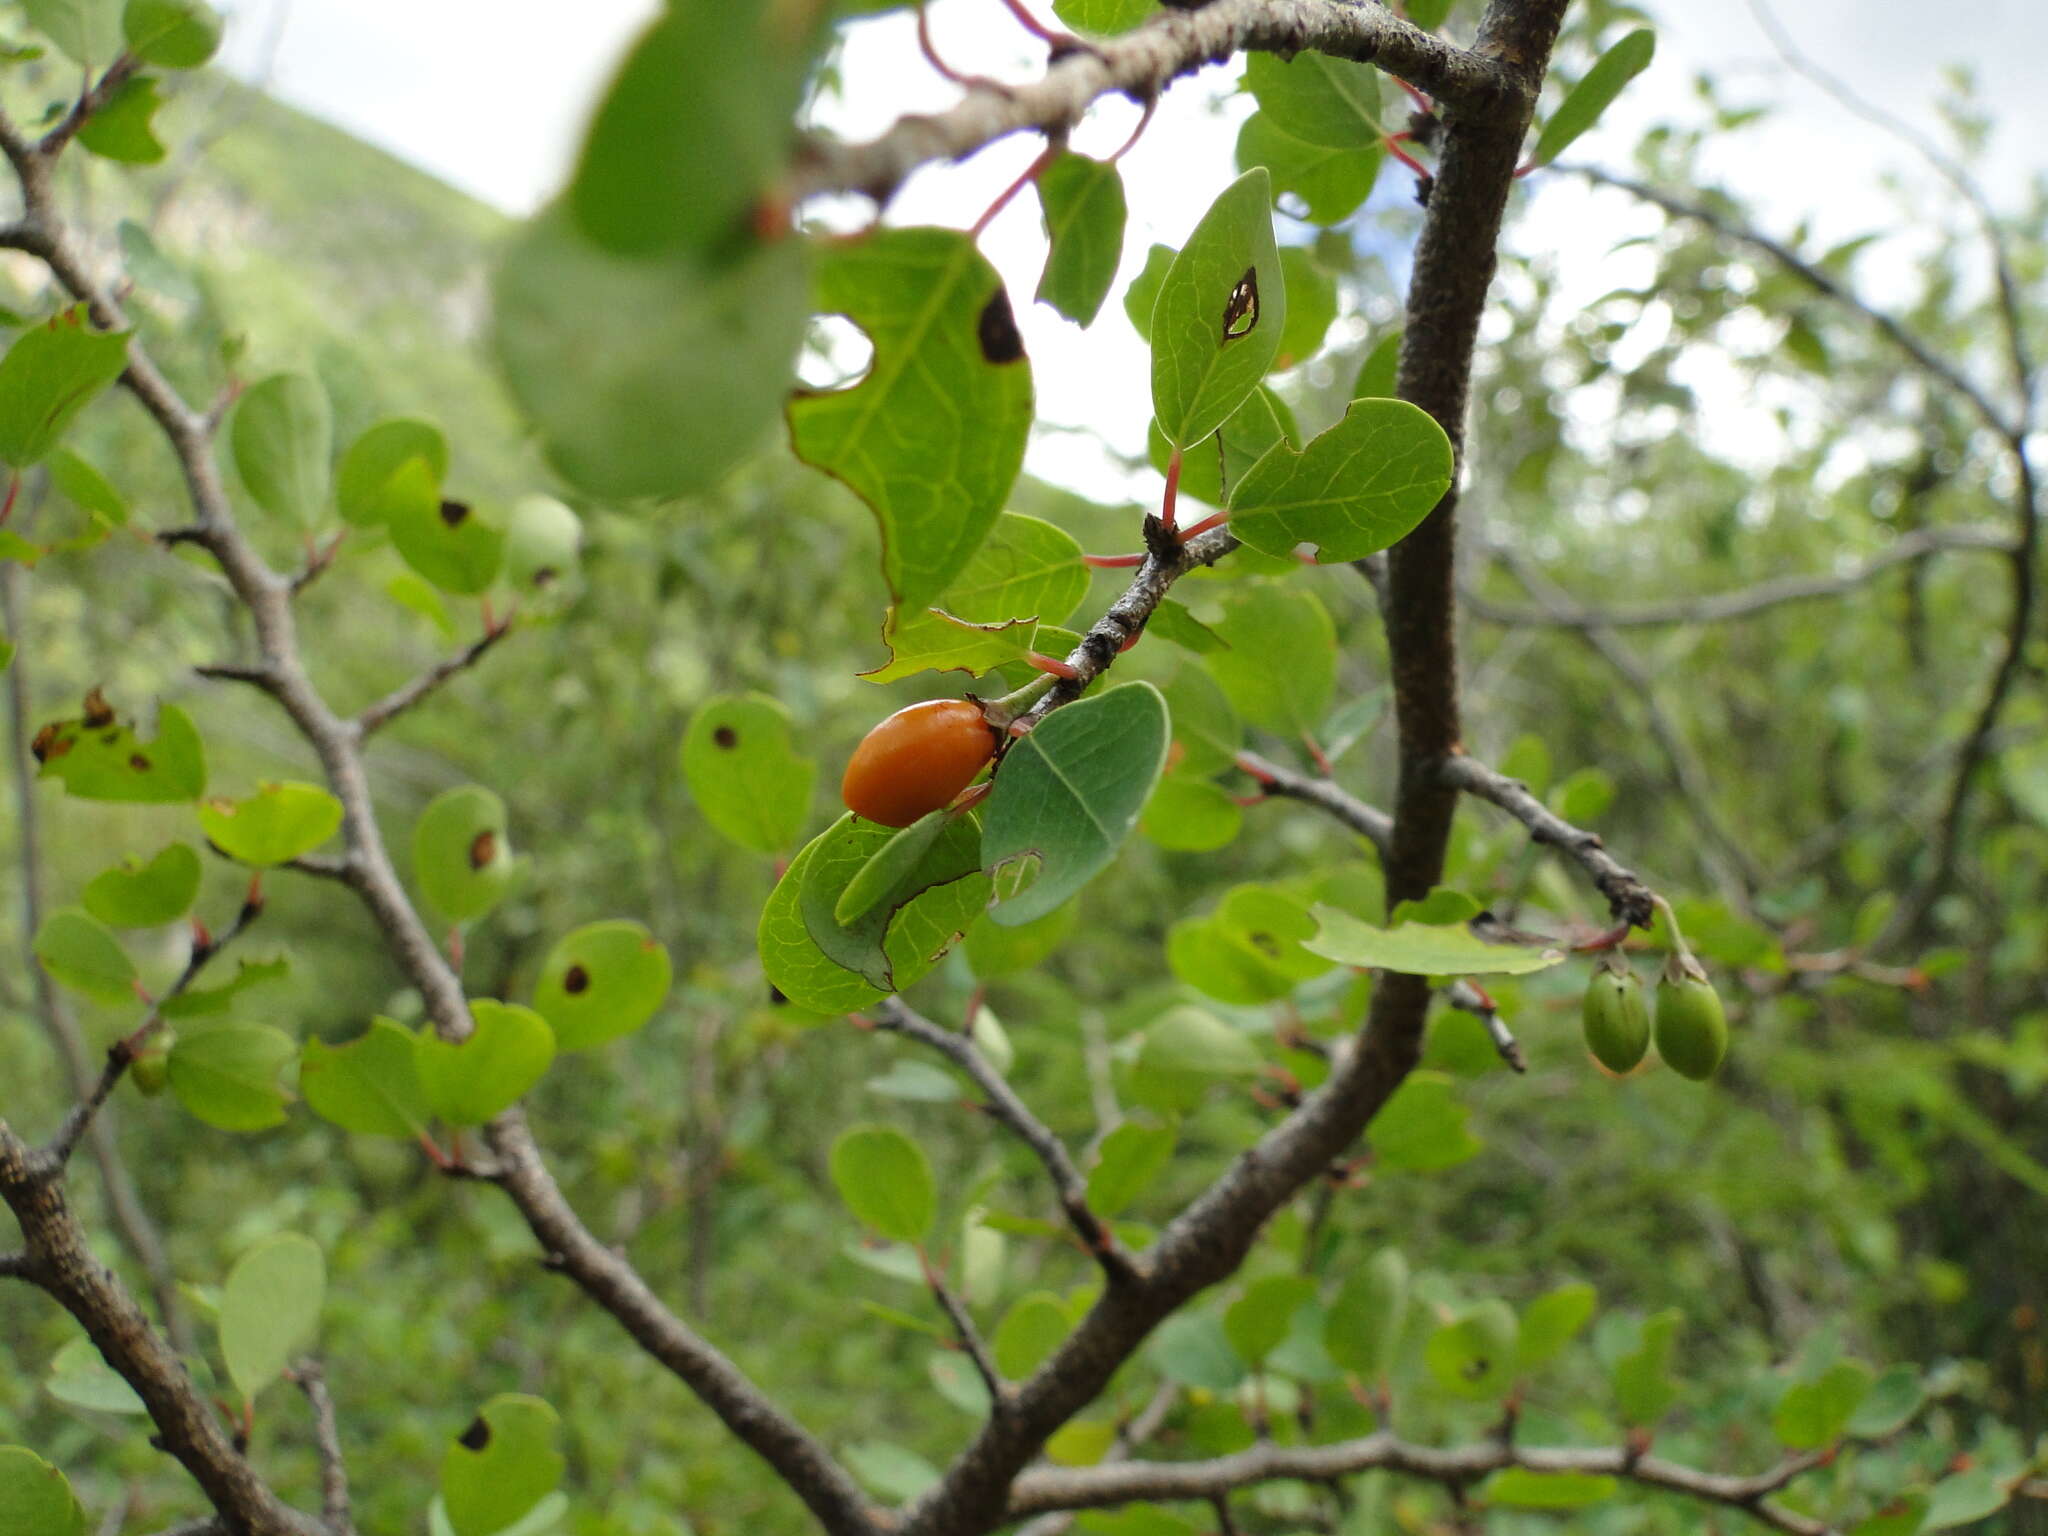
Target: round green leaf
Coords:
[(270, 1309), (1552, 1321), (1131, 1157), (949, 861), (1032, 1328), (227, 1075), (370, 1086), (103, 760), (467, 1083), (81, 952), (1318, 98), (80, 1377), (886, 1181), (1191, 815), (1184, 1051), (1279, 667), (1421, 1127), (1519, 1488), (273, 826), (283, 439), (134, 894), (1815, 1412), (603, 981), (370, 488), (1083, 202), (1330, 183), (1361, 486), (743, 769), (1363, 1328), (461, 854), (1643, 1387), (501, 1466), (35, 1500), (172, 34), (994, 951), (1068, 794), (451, 543), (1217, 322), (88, 31), (1475, 1356), (1583, 104), (50, 374), (1258, 1321)]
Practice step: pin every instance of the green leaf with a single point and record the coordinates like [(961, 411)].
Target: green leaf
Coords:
[(745, 772), (1358, 488), (601, 982), (172, 34), (51, 373), (87, 31), (1318, 98), (461, 855), (81, 953), (467, 1083), (1330, 183), (1552, 1321), (1127, 1163), (1250, 950), (1891, 1404), (35, 1500), (1258, 1321), (1520, 1488), (1378, 374), (1205, 727), (891, 1471), (1280, 666), (1415, 949), (917, 1081), (1363, 1328), (1143, 293), (1190, 1348), (1964, 1498), (1210, 471), (646, 376), (97, 759), (993, 951), (283, 438), (1026, 570), (1217, 323), (1104, 16), (728, 75), (137, 895), (270, 1309), (1422, 1128), (449, 542), (1643, 1388), (1068, 794), (199, 1002), (1475, 1355), (1083, 200), (87, 489), (227, 1075), (498, 1469), (370, 1086), (931, 437), (1033, 1327), (886, 1181), (888, 868), (1183, 1053), (1584, 796), (81, 1378), (273, 826), (1815, 1412), (1190, 815), (124, 129), (369, 490), (869, 944), (1583, 104), (1311, 307)]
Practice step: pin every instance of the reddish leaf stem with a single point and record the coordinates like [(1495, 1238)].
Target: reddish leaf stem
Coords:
[(1032, 172), (1216, 520), (1393, 143), (1113, 562), (1052, 664), (1166, 502)]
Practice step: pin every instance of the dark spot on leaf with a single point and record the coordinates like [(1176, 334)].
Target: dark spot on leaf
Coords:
[(98, 711), (454, 512), (110, 738), (576, 980), (476, 1437), (776, 996), (1476, 1368), (1241, 309), (545, 576), (1265, 944), (997, 330), (138, 762), (45, 745), (483, 848), (726, 738)]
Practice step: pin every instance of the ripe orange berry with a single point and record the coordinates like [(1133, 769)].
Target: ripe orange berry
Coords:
[(916, 761)]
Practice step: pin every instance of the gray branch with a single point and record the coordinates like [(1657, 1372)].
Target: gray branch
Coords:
[(1630, 900), (334, 1498), (380, 714), (1369, 822)]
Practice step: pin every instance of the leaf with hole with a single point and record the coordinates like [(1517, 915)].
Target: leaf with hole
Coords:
[(1217, 323), (502, 1466), (461, 853), (932, 436), (740, 761), (1474, 1356), (97, 758), (376, 481), (601, 982), (467, 1082), (370, 1086), (1068, 794), (455, 545)]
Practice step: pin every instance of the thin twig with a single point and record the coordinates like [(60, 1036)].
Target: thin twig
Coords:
[(334, 1498), (380, 714), (1369, 822), (1130, 1435), (1012, 1112), (1630, 900), (90, 102), (971, 1341)]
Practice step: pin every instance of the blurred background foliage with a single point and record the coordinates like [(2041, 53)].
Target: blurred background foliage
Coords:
[(1863, 1178)]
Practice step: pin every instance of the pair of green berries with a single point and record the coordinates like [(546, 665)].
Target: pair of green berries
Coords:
[(1692, 1029)]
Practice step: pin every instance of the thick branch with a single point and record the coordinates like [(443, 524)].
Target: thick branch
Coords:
[(1630, 900), (1141, 64), (1003, 1103), (1125, 1482), (1746, 602)]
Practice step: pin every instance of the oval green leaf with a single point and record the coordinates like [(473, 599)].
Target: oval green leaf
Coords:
[(886, 1181), (273, 826), (270, 1309), (601, 982), (466, 1083), (134, 894)]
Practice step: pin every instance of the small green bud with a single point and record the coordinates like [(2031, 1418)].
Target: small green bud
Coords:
[(1692, 1030), (1616, 1019), (151, 1071)]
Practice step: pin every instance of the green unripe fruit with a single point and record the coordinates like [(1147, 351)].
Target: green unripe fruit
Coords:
[(1692, 1031), (543, 541), (1616, 1018), (151, 1071)]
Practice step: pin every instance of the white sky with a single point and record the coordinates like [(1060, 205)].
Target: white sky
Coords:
[(491, 95)]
